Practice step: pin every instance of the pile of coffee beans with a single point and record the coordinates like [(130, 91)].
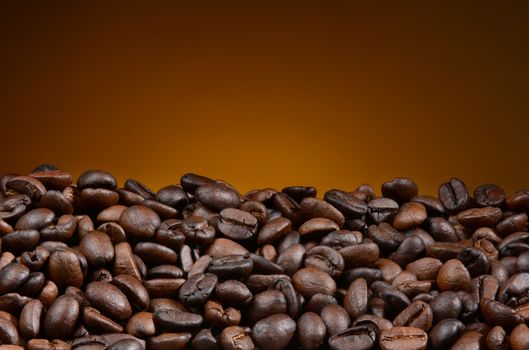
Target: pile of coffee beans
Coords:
[(90, 265)]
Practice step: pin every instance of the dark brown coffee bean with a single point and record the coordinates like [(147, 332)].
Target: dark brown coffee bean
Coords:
[(231, 266), (409, 216), (446, 305), (263, 265), (362, 336), (217, 196), (135, 292), (364, 254), (12, 276), (97, 248), (53, 179), (316, 208), (498, 314), (309, 281), (311, 331), (433, 206), (453, 275), (400, 189), (237, 224), (61, 317), (154, 254), (236, 338), (173, 341), (382, 210), (479, 217), (126, 344), (30, 319), (336, 319), (454, 195), (489, 195), (475, 261), (497, 339), (216, 315), (520, 337), (62, 231), (232, 292), (274, 332), (140, 221), (197, 230), (411, 338), (511, 224), (288, 207), (197, 289), (326, 259), (317, 227), (267, 303), (124, 261), (141, 325), (518, 201), (471, 340), (417, 314), (96, 322), (21, 241), (292, 258), (8, 331), (173, 196), (109, 299), (96, 179), (385, 236), (274, 230), (411, 248), (64, 269), (445, 333), (347, 204), (35, 219), (29, 186), (173, 320), (355, 300)]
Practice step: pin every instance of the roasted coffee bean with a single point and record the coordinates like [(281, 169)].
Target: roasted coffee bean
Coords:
[(475, 261), (446, 305), (218, 316), (233, 292), (336, 319), (417, 314), (385, 236), (96, 179), (236, 338), (311, 330), (140, 221), (274, 332), (96, 322), (409, 216), (29, 186), (61, 317), (433, 206), (154, 254), (174, 320), (237, 224), (12, 276), (382, 209), (355, 300), (347, 204), (362, 336), (309, 281), (498, 314), (197, 230), (65, 269), (175, 341), (291, 259), (479, 217), (326, 259), (364, 254), (453, 275), (520, 337), (231, 266), (316, 208), (445, 333), (97, 248), (400, 189), (454, 195), (267, 303), (217, 196), (403, 338), (109, 299), (197, 289)]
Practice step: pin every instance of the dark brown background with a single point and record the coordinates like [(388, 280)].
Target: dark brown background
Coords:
[(268, 94)]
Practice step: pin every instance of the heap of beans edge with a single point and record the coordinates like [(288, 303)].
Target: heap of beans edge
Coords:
[(89, 265)]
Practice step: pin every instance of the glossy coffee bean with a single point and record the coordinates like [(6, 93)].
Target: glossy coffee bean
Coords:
[(237, 224), (311, 330), (197, 289), (336, 319), (236, 338), (403, 338), (61, 317), (309, 281), (362, 336), (140, 221), (109, 299), (274, 332)]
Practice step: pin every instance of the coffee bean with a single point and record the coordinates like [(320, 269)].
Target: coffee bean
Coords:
[(197, 289), (97, 248), (274, 230), (417, 314), (358, 337), (139, 221), (309, 281), (445, 333), (382, 209), (231, 266), (12, 276), (347, 204), (61, 317), (233, 292), (454, 195), (274, 332), (237, 224), (355, 300), (446, 305), (236, 338), (217, 196), (176, 341), (311, 330), (336, 319), (479, 217), (410, 215), (29, 186), (204, 340), (403, 338), (400, 189), (109, 299), (96, 179), (174, 320), (453, 275)]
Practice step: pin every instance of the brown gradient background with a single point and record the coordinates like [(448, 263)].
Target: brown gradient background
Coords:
[(331, 94)]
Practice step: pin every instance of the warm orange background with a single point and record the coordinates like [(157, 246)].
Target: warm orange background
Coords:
[(331, 94)]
